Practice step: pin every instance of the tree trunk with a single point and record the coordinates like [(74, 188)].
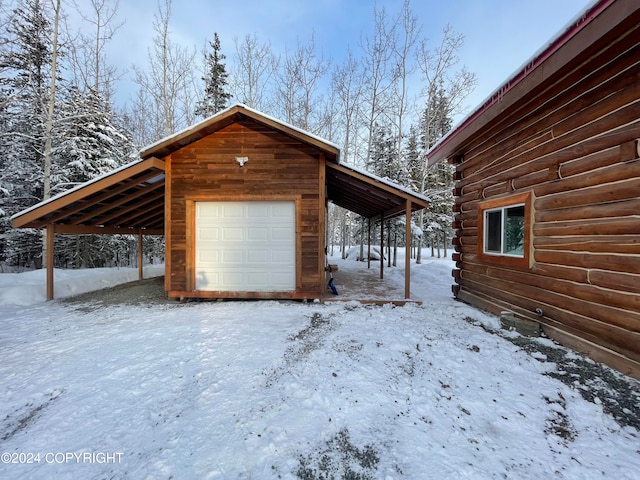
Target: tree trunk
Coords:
[(395, 249), (444, 244), (46, 189)]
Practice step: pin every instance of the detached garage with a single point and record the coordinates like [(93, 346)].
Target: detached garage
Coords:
[(241, 199)]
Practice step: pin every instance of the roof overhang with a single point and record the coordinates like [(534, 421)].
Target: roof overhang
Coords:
[(128, 200), (368, 195)]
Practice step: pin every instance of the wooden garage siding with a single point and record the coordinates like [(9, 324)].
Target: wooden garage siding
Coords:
[(278, 168), (574, 142)]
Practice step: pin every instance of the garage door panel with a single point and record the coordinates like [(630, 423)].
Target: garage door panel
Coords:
[(211, 211), (281, 257), (280, 235), (256, 280), (260, 257), (208, 256), (208, 278), (245, 246), (280, 278), (232, 210), (257, 234), (258, 210), (232, 234), (208, 234)]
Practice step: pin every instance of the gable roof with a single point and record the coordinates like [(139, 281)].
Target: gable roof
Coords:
[(132, 197), (571, 43), (231, 115)]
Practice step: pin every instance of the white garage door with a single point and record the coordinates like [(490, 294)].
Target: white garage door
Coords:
[(245, 246)]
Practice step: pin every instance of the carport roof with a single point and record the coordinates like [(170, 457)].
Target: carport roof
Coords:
[(131, 198), (125, 200)]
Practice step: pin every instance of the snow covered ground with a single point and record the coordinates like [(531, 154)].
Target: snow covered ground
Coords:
[(262, 390), (30, 287)]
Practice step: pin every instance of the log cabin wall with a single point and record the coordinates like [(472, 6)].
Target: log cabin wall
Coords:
[(278, 168), (572, 143)]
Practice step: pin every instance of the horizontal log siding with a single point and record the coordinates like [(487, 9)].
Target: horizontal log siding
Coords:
[(575, 143), (278, 167)]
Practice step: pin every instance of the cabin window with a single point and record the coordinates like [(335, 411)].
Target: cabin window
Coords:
[(505, 228), (504, 231)]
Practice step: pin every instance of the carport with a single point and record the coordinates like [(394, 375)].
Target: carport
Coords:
[(137, 199)]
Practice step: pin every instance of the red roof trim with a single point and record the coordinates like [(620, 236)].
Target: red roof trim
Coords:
[(560, 40)]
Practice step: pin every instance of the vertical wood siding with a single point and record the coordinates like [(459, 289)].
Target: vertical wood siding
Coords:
[(278, 167)]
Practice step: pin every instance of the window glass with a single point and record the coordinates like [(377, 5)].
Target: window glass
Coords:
[(514, 231), (504, 231), (493, 233)]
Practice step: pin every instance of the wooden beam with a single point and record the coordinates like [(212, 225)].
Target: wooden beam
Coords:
[(90, 230), (407, 255), (132, 208), (153, 219), (79, 206), (50, 233), (113, 204)]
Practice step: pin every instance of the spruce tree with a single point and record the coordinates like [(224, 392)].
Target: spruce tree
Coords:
[(25, 65), (216, 95), (89, 144)]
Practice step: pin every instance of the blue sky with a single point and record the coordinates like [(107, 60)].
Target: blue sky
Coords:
[(500, 35)]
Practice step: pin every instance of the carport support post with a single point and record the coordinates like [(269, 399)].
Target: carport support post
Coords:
[(381, 246), (49, 260), (140, 269), (407, 254), (369, 244)]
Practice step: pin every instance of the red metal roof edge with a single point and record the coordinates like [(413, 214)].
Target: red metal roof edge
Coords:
[(538, 58)]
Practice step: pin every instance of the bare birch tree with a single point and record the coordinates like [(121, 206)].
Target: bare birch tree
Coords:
[(168, 82), (347, 85), (444, 91), (380, 72), (51, 102), (88, 55), (298, 86), (408, 33), (253, 72)]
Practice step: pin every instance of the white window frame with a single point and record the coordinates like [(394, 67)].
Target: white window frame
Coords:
[(503, 215)]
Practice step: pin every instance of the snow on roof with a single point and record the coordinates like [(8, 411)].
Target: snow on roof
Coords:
[(242, 106), (386, 181), (76, 188)]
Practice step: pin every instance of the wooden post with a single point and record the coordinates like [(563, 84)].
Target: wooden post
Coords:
[(140, 256), (407, 254), (49, 260), (369, 244), (322, 227), (381, 246)]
